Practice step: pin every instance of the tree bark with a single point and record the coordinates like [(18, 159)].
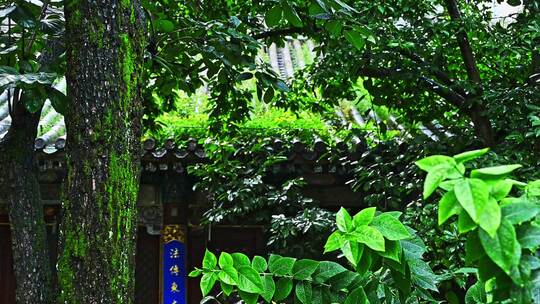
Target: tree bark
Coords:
[(19, 187), (105, 41)]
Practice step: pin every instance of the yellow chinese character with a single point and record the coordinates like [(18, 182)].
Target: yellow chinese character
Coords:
[(174, 270), (174, 253), (174, 302), (174, 287)]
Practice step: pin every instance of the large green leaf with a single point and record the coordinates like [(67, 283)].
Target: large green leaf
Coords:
[(503, 249), (520, 210), (225, 260), (501, 189), (529, 236), (476, 294), (344, 220), (356, 39), (497, 171), (369, 236), (291, 16), (390, 227), (334, 242), (352, 251), (304, 292), (448, 206), (259, 263), (364, 217), (249, 280), (273, 16), (303, 269), (472, 194), (392, 250), (465, 222), (248, 297), (490, 217), (284, 287), (282, 266), (327, 270), (228, 275), (208, 281), (357, 296), (434, 178), (470, 155), (429, 163), (209, 260), (269, 288)]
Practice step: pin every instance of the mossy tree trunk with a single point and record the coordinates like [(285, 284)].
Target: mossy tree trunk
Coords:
[(104, 41), (19, 187)]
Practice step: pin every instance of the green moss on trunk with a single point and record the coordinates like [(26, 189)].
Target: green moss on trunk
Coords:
[(103, 129)]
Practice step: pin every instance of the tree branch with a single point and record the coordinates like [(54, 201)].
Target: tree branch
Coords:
[(463, 41)]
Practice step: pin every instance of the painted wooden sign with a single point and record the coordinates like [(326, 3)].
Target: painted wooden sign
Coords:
[(174, 265)]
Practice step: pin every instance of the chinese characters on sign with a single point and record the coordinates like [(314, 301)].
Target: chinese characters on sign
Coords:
[(174, 267)]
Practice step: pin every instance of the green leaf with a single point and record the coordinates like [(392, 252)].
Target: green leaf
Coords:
[(533, 188), (392, 250), (282, 266), (344, 220), (490, 172), (226, 288), (304, 292), (503, 249), (529, 236), (273, 16), (327, 270), (334, 27), (292, 16), (422, 275), (283, 289), (357, 296), (59, 101), (433, 179), (165, 25), (364, 217), (333, 243), (269, 95), (520, 211), (33, 100), (490, 217), (248, 297), (352, 251), (249, 280), (240, 259), (473, 196), (225, 260), (356, 39), (303, 269), (448, 206), (195, 273), (269, 288), (429, 163), (476, 294), (259, 264), (473, 248), (369, 236), (228, 275), (470, 155), (501, 189), (209, 260), (390, 227), (465, 222), (208, 281)]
